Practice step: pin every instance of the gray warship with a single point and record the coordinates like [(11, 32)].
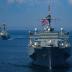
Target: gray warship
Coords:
[(51, 47), (4, 34)]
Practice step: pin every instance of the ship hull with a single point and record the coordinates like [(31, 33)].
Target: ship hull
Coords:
[(4, 37), (50, 56)]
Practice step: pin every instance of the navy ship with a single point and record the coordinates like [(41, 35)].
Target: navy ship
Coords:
[(4, 35), (51, 47)]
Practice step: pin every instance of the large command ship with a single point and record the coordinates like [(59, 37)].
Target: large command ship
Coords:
[(51, 47)]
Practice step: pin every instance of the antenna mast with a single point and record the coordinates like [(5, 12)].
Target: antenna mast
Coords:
[(49, 13), (49, 7), (49, 17)]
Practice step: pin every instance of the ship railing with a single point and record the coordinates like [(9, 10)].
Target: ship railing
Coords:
[(64, 44), (34, 44)]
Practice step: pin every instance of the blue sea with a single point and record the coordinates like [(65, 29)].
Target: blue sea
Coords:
[(14, 55)]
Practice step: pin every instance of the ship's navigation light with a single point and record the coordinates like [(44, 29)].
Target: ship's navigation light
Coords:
[(62, 29), (1, 33), (35, 29), (48, 29), (62, 44), (66, 45), (50, 41), (35, 43), (45, 28)]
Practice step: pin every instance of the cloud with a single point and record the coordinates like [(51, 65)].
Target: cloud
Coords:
[(20, 1), (70, 2), (27, 1), (16, 1), (10, 1)]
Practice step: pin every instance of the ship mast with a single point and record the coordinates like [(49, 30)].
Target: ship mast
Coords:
[(49, 18), (49, 15), (4, 27)]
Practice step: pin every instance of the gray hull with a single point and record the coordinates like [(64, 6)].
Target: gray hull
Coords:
[(50, 56)]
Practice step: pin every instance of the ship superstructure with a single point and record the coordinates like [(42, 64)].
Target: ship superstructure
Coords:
[(51, 47)]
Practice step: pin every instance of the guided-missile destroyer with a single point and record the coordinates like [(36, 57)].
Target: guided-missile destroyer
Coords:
[(51, 47), (4, 35)]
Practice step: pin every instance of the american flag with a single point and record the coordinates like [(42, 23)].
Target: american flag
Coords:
[(44, 21)]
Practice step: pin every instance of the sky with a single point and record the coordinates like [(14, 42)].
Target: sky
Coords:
[(26, 14)]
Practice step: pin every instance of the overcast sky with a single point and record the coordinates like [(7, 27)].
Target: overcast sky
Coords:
[(26, 14)]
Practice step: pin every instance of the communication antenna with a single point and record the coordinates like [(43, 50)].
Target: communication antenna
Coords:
[(49, 17)]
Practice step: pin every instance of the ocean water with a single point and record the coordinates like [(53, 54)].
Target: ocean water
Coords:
[(14, 55)]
